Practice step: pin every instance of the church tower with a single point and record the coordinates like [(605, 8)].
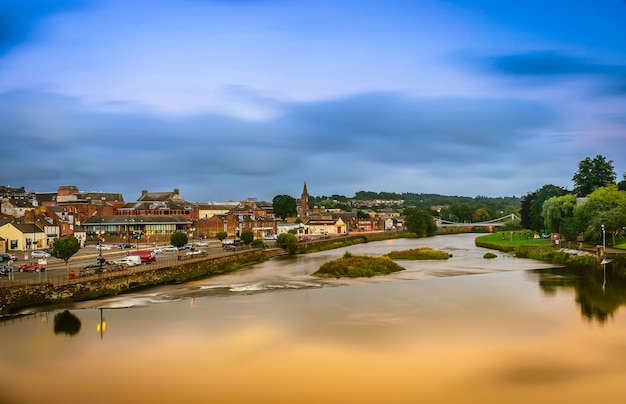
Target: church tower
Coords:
[(304, 201)]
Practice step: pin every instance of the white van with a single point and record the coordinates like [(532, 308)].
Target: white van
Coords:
[(131, 261)]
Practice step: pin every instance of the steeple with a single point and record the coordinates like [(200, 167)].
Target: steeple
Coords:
[(304, 201)]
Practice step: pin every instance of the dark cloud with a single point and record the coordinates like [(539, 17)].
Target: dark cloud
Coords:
[(346, 144), (549, 67), (547, 63), (19, 18)]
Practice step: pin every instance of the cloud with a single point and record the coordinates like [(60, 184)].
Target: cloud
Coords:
[(550, 67), (348, 142)]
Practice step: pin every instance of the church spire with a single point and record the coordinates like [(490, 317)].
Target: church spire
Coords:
[(304, 201)]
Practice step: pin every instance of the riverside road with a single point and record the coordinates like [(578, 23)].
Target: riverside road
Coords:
[(56, 268)]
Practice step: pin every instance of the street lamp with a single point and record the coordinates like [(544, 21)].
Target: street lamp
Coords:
[(603, 239)]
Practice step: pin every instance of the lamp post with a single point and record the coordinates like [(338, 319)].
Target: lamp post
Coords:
[(603, 239)]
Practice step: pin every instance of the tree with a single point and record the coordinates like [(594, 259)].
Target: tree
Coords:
[(221, 235), (247, 237), (480, 215), (604, 206), (593, 174), (622, 184), (556, 210), (288, 242), (462, 212), (179, 239), (532, 206), (284, 206), (64, 248), (420, 222)]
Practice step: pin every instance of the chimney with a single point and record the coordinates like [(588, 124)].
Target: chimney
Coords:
[(176, 191), (144, 192)]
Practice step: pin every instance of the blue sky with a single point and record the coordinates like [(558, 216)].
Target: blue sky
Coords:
[(227, 100)]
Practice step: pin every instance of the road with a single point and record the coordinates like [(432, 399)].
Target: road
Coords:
[(56, 267)]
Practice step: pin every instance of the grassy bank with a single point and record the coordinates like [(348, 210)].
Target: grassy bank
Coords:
[(423, 253), (524, 247)]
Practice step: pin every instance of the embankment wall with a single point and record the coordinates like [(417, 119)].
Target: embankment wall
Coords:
[(13, 299)]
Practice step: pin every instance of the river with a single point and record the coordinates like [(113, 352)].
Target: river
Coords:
[(465, 330)]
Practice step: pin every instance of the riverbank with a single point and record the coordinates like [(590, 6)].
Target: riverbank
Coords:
[(19, 297)]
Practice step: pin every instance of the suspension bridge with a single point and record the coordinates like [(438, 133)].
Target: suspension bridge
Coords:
[(488, 223)]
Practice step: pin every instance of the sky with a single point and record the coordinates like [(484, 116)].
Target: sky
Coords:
[(230, 100)]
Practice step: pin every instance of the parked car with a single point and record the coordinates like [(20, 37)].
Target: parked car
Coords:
[(170, 248), (31, 267), (229, 247), (157, 250), (196, 252), (96, 264), (5, 270), (103, 247), (125, 245), (146, 256), (40, 254), (203, 244), (5, 257), (130, 261)]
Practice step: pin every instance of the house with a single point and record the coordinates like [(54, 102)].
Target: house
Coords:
[(23, 236), (146, 228), (160, 204), (323, 226)]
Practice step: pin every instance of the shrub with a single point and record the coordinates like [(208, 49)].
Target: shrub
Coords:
[(489, 255), (358, 266), (419, 254)]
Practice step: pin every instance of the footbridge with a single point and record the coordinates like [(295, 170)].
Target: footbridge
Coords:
[(488, 223)]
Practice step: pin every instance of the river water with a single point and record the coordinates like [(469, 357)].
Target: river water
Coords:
[(465, 330)]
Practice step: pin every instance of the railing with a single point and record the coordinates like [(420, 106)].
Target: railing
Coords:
[(65, 279)]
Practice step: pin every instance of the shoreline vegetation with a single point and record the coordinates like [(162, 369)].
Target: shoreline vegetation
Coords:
[(523, 246), (354, 266)]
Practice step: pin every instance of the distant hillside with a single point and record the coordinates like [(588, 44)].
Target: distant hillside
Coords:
[(424, 201)]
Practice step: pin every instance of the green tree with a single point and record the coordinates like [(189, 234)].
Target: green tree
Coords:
[(284, 206), (288, 242), (556, 210), (604, 206), (622, 184), (179, 239), (480, 215), (593, 174), (64, 248), (247, 237), (221, 235), (420, 222), (462, 212), (532, 206)]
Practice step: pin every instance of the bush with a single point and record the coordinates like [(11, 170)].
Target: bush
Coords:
[(489, 255), (258, 243), (419, 254), (358, 266)]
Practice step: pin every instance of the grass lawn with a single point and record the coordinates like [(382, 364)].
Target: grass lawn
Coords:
[(515, 239)]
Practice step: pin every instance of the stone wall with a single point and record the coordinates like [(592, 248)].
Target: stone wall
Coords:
[(13, 299)]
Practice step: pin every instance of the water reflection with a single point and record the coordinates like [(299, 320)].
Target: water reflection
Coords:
[(66, 323), (599, 291)]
